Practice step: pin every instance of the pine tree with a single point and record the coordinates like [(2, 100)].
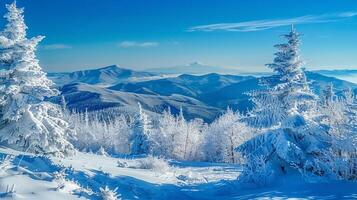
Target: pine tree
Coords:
[(350, 111), (26, 121), (140, 139), (328, 95), (343, 128), (334, 118), (292, 138), (288, 94)]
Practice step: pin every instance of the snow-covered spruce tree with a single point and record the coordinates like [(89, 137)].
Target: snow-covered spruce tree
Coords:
[(291, 139), (350, 104), (328, 95), (142, 130), (27, 122), (339, 115), (332, 113), (350, 111), (288, 94)]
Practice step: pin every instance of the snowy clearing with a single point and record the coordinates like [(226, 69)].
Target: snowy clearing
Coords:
[(85, 173)]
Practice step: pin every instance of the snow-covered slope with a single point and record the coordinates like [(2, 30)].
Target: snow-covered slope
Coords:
[(234, 95), (188, 85), (202, 96), (218, 90), (320, 81), (83, 175), (348, 75), (82, 96), (106, 76)]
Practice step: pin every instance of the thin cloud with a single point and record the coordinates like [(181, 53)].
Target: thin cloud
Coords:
[(259, 25), (56, 46), (347, 14), (129, 44)]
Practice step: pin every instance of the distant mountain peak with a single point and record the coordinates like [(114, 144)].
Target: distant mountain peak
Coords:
[(110, 67), (196, 63)]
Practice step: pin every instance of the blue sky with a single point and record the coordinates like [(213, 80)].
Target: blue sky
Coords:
[(143, 34)]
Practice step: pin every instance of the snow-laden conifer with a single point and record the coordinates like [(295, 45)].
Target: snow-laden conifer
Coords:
[(140, 139), (287, 92), (26, 121), (285, 112)]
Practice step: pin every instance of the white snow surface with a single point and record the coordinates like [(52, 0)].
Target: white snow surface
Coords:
[(85, 174)]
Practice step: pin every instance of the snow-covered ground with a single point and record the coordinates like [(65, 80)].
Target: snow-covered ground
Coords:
[(82, 176), (35, 177)]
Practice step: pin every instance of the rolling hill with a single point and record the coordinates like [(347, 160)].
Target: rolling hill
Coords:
[(104, 76), (81, 97), (203, 96), (347, 74)]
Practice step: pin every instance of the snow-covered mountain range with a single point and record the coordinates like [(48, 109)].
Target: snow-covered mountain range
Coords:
[(194, 68), (204, 96), (346, 74), (106, 75)]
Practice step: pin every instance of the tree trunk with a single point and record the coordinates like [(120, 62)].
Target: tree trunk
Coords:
[(232, 147), (185, 149)]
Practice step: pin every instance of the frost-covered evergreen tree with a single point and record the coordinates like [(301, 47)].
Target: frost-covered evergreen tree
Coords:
[(286, 112), (26, 121), (140, 139), (332, 113), (288, 94), (335, 116), (350, 102), (347, 127), (342, 115), (328, 95)]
